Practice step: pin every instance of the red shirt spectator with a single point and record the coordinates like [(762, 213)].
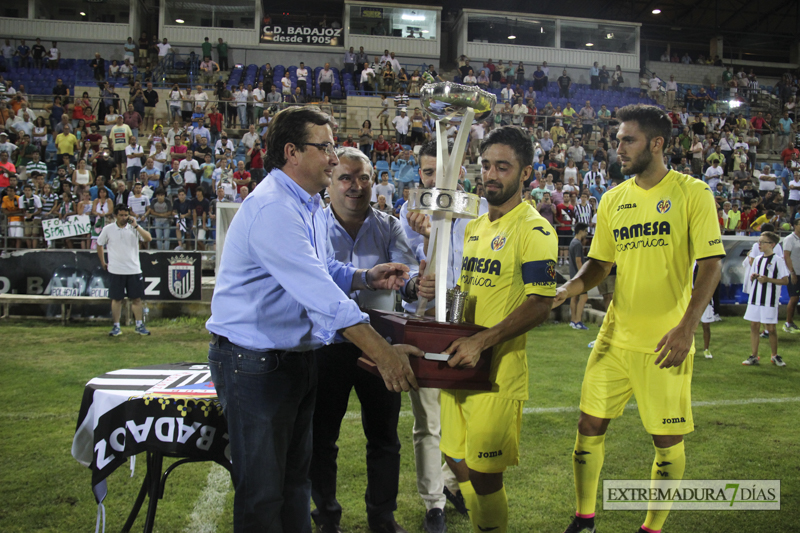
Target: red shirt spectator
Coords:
[(787, 155), (395, 149), (8, 166), (381, 146), (179, 150), (215, 121), (530, 117), (255, 159), (241, 180), (747, 218), (564, 217), (758, 123)]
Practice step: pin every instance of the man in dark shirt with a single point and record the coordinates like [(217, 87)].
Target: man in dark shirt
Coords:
[(61, 90), (98, 65), (564, 83), (200, 208), (38, 51), (104, 165), (182, 207), (24, 53), (576, 260), (150, 102)]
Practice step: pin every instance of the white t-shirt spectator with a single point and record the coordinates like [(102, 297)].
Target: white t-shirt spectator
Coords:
[(138, 206), (400, 124), (122, 245), (302, 74), (672, 85), (190, 168), (477, 131), (794, 194), (366, 73), (163, 49), (386, 190), (54, 54), (713, 175), (134, 160), (200, 99), (286, 83), (654, 83), (766, 185)]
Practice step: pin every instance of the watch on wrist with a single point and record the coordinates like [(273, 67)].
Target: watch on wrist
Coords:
[(364, 280)]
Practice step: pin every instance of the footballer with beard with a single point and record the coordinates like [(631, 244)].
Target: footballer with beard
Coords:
[(508, 269), (654, 226)]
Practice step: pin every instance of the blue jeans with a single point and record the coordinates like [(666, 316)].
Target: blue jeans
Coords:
[(242, 110), (268, 399), (161, 226)]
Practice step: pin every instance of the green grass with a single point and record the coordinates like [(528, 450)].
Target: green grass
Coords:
[(45, 367)]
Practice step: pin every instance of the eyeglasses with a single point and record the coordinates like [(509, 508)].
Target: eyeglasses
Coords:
[(325, 147), (765, 242)]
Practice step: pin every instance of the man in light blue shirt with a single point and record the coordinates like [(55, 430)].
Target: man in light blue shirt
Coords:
[(594, 76), (349, 60), (364, 237), (435, 482), (281, 294)]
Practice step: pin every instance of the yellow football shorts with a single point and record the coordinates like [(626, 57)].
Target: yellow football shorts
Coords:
[(663, 396), (481, 428)]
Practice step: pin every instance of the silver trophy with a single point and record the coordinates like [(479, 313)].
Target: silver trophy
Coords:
[(462, 104)]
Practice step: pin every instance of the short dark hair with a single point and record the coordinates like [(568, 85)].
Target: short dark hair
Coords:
[(652, 120), (766, 226), (581, 226), (429, 148), (773, 238), (513, 137), (290, 126), (120, 207)]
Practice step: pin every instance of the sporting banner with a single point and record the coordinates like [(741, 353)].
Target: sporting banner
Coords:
[(72, 226), (167, 275), (301, 34)]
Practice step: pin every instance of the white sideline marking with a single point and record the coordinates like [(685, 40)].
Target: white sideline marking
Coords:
[(209, 505)]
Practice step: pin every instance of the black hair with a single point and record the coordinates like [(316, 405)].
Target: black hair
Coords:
[(513, 137), (291, 126), (120, 207), (766, 226), (429, 148), (580, 226), (652, 120)]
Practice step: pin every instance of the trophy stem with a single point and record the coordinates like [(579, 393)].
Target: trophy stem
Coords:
[(448, 168)]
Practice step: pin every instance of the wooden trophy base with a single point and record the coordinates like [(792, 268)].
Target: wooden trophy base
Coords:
[(434, 337)]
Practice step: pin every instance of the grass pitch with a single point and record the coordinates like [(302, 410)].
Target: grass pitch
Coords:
[(747, 429)]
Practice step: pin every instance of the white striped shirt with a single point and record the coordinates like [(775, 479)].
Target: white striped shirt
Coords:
[(583, 213), (767, 294)]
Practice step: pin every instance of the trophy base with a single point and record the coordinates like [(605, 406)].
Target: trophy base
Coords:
[(430, 336)]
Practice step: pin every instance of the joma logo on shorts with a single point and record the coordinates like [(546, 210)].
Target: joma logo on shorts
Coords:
[(676, 420), (484, 455)]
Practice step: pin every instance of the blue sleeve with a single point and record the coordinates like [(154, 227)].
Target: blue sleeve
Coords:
[(290, 258), (400, 252)]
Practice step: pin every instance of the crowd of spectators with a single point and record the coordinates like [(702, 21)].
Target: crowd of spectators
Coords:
[(192, 161)]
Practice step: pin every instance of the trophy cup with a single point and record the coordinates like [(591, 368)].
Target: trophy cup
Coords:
[(447, 102)]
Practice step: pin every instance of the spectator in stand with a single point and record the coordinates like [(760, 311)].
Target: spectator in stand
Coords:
[(222, 54), (564, 84), (381, 150), (325, 81), (368, 77), (189, 168), (302, 77), (208, 69), (594, 76), (199, 97), (38, 53), (11, 208), (365, 138), (66, 143), (384, 188), (470, 78), (258, 96), (98, 65), (576, 260), (199, 208), (401, 101), (160, 210), (785, 130), (401, 125), (23, 55), (119, 138), (349, 61), (163, 49), (133, 120), (133, 154), (587, 115), (130, 50)]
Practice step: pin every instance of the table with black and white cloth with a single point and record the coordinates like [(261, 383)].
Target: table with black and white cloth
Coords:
[(165, 410)]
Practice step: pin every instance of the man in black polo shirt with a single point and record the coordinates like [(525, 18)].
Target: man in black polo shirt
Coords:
[(61, 90), (150, 101)]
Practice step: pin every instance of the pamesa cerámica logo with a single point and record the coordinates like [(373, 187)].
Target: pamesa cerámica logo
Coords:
[(692, 495)]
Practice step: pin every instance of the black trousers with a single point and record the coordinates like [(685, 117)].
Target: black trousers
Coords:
[(380, 410), (326, 89)]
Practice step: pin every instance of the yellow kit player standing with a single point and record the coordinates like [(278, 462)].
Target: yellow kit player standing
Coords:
[(654, 226), (508, 268)]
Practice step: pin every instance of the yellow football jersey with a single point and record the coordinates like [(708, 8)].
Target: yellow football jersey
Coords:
[(505, 261), (654, 237)]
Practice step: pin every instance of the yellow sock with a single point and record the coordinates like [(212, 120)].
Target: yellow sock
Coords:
[(492, 513), (587, 461), (470, 498), (669, 464)]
